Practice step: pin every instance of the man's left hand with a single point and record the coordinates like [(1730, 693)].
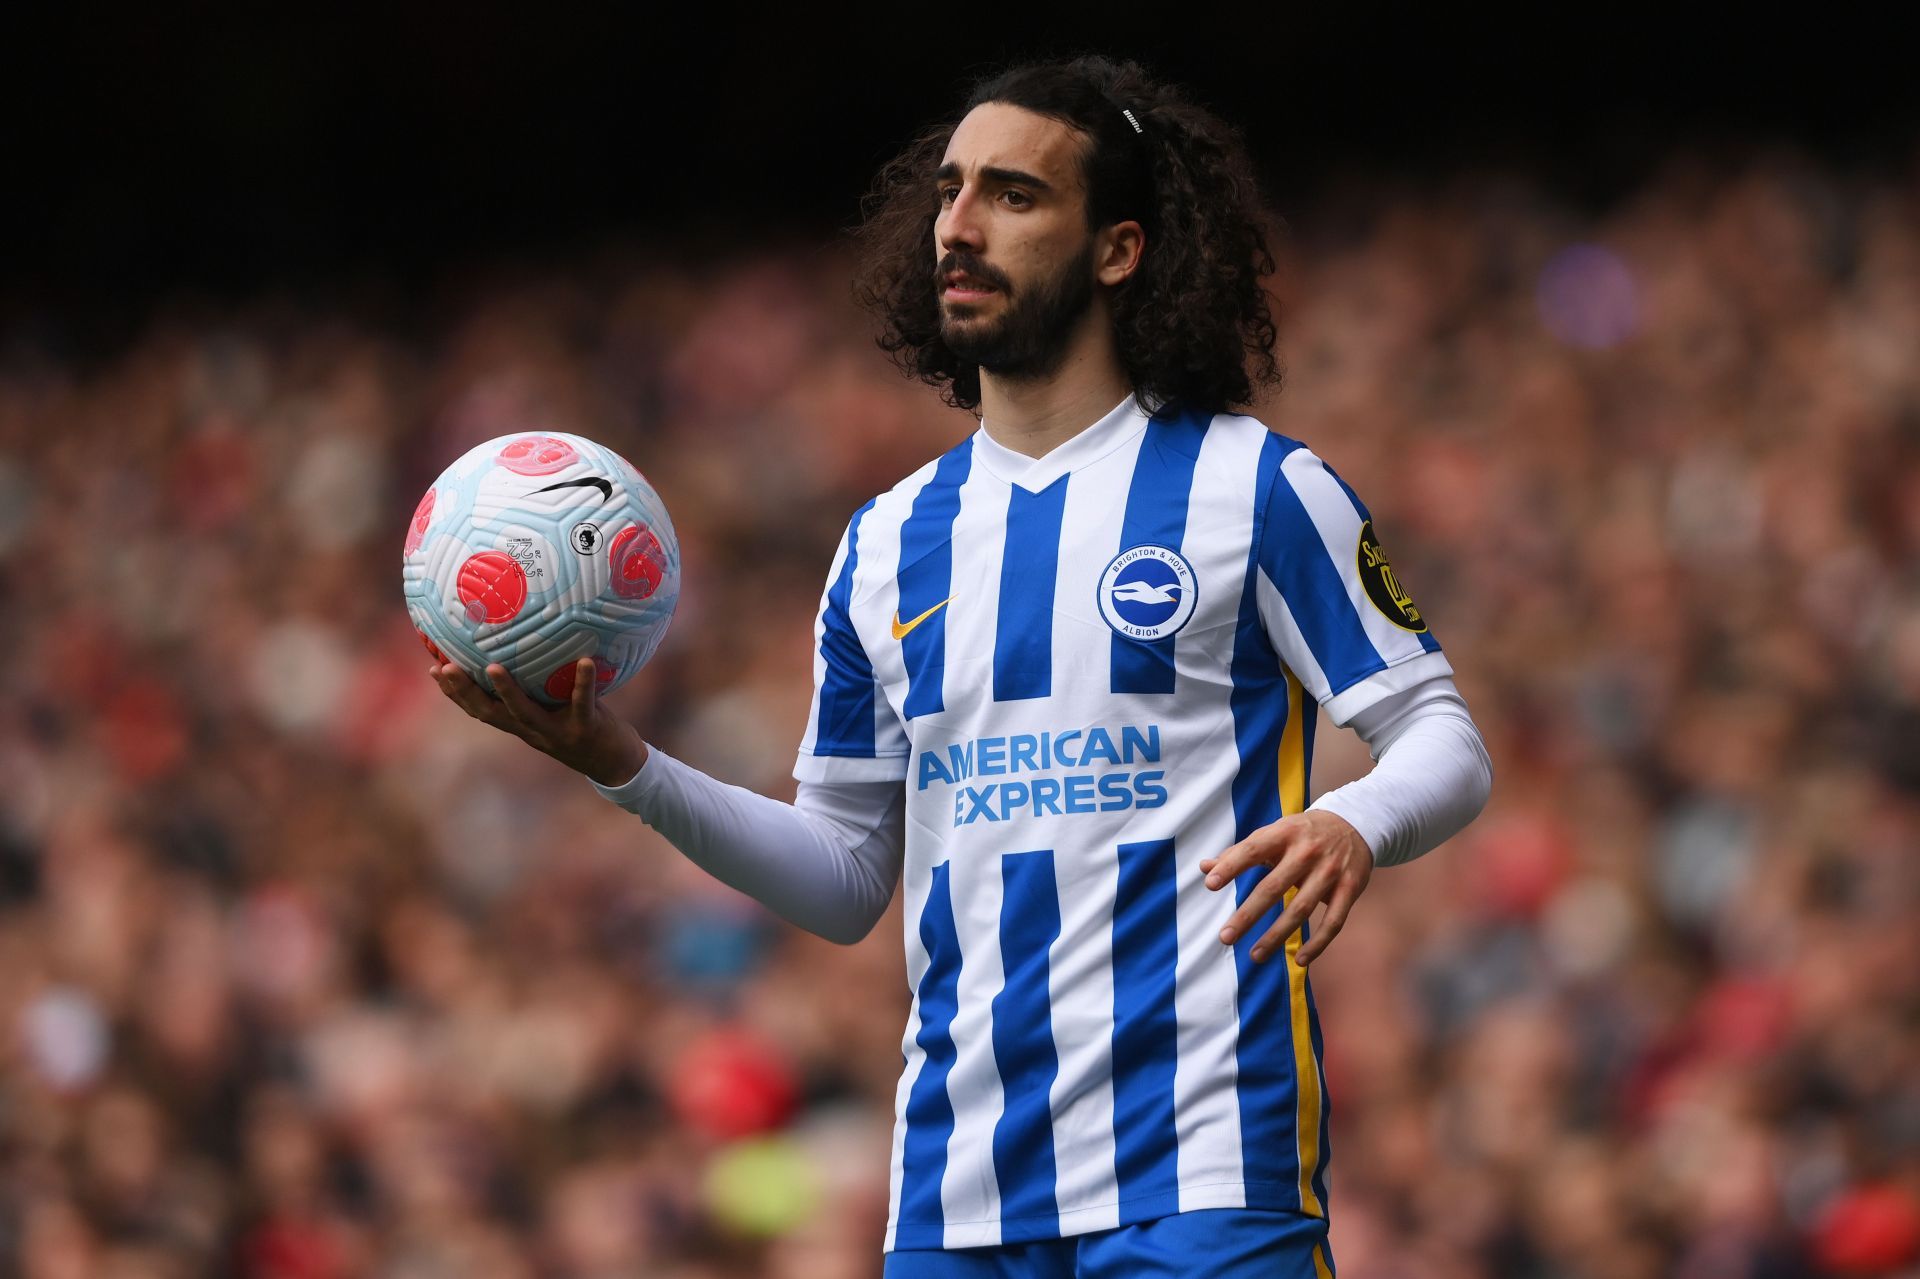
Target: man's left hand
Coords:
[(1317, 850)]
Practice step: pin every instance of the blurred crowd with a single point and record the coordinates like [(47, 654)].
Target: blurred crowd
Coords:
[(304, 974)]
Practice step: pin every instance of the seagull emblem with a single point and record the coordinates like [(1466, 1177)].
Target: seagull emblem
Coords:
[(1147, 593)]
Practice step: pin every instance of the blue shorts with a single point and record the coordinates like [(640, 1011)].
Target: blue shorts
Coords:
[(1208, 1243)]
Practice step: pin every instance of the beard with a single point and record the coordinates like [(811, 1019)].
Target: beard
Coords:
[(1028, 339)]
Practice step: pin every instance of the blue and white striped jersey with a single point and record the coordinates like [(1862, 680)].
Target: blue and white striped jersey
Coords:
[(1091, 670)]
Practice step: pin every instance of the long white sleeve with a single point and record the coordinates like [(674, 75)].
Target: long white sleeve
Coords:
[(1431, 773), (828, 862)]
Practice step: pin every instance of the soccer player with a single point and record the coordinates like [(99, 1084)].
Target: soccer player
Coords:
[(1066, 680)]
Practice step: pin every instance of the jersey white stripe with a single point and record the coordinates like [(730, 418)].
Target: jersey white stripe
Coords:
[(974, 614), (1206, 1103), (1081, 974), (968, 1192), (1089, 532), (1081, 978)]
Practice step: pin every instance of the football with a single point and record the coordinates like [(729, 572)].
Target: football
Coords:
[(537, 550)]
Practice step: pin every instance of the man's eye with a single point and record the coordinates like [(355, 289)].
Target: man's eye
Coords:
[(1020, 199)]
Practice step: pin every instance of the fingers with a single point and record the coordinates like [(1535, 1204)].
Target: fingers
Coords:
[(586, 678), (1338, 903), (1264, 896), (513, 697), (507, 708), (1312, 889), (1263, 847), (467, 695)]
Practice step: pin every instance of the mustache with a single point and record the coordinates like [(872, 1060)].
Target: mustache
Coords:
[(967, 266)]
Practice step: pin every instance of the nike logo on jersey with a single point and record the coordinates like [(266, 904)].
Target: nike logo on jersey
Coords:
[(900, 629), (605, 486)]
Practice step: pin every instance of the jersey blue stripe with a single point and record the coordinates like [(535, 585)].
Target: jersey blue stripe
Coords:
[(929, 1109), (1427, 641), (845, 726), (1023, 636), (1156, 515), (1308, 723), (926, 579), (1314, 588), (1144, 1032), (1269, 1154), (1023, 1050)]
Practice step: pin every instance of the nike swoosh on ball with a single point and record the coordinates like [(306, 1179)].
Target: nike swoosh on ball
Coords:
[(605, 486)]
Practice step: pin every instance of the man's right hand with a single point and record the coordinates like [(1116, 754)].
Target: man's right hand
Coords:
[(583, 734)]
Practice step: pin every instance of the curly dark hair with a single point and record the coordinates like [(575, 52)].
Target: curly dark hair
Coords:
[(1190, 313)]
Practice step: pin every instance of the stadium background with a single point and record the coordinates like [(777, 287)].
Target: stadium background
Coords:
[(305, 975)]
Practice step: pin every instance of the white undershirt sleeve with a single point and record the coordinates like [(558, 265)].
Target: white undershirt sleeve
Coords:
[(1431, 773), (827, 862)]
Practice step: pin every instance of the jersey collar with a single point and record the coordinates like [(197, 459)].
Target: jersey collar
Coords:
[(1121, 424)]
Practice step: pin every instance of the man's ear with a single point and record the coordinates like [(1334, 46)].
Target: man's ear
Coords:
[(1123, 245)]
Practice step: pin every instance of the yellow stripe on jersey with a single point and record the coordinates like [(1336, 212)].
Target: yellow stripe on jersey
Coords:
[(1320, 1270), (1306, 1067), (1293, 755)]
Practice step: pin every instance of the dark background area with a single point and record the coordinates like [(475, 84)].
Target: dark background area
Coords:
[(209, 151)]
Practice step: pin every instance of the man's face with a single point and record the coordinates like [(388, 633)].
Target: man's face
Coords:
[(1013, 221)]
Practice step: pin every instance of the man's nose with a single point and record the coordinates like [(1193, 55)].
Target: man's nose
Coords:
[(959, 226)]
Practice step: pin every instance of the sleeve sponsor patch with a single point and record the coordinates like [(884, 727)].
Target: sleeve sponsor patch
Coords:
[(1383, 588)]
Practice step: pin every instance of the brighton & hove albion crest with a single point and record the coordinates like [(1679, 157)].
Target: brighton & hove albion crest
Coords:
[(1147, 592)]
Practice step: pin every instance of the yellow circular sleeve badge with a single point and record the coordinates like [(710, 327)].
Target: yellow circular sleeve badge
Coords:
[(1383, 588)]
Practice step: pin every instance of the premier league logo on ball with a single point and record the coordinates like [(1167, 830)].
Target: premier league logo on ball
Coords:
[(1147, 592)]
